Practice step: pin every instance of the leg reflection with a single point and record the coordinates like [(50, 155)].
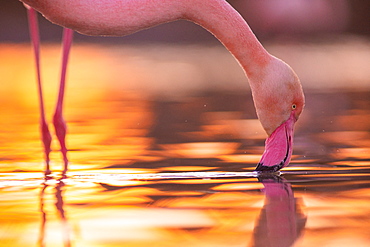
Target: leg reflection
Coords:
[(59, 205), (41, 240), (280, 222)]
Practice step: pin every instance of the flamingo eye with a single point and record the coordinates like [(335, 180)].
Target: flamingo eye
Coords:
[(294, 106)]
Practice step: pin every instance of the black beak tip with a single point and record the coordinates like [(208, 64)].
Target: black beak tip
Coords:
[(271, 169)]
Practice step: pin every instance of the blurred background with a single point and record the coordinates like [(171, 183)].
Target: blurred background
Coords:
[(325, 41), (269, 19)]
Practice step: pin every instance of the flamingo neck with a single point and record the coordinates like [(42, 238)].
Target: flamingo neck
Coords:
[(229, 27)]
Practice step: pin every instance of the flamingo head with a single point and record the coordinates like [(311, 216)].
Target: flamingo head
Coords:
[(279, 101)]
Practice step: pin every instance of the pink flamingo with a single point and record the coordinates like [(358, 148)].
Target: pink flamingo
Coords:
[(276, 89)]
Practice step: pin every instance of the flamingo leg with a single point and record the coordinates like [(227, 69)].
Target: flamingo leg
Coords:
[(58, 120), (35, 39)]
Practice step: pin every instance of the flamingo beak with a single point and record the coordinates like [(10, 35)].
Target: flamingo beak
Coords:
[(278, 147)]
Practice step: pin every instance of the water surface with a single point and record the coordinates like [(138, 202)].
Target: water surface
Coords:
[(150, 169)]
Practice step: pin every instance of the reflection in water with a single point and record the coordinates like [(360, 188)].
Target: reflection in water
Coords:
[(43, 216), (280, 222), (174, 211), (59, 206)]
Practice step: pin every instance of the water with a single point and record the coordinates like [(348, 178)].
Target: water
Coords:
[(150, 169)]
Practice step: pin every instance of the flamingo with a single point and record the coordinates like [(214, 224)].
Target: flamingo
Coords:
[(276, 89)]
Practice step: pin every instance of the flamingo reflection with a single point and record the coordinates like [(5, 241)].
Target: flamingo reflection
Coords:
[(59, 206), (280, 222)]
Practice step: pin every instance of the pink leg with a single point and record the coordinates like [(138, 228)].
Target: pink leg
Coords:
[(35, 39), (59, 123)]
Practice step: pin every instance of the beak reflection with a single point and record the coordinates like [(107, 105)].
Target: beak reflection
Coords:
[(280, 222)]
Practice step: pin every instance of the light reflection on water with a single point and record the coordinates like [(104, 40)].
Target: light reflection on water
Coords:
[(150, 170)]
